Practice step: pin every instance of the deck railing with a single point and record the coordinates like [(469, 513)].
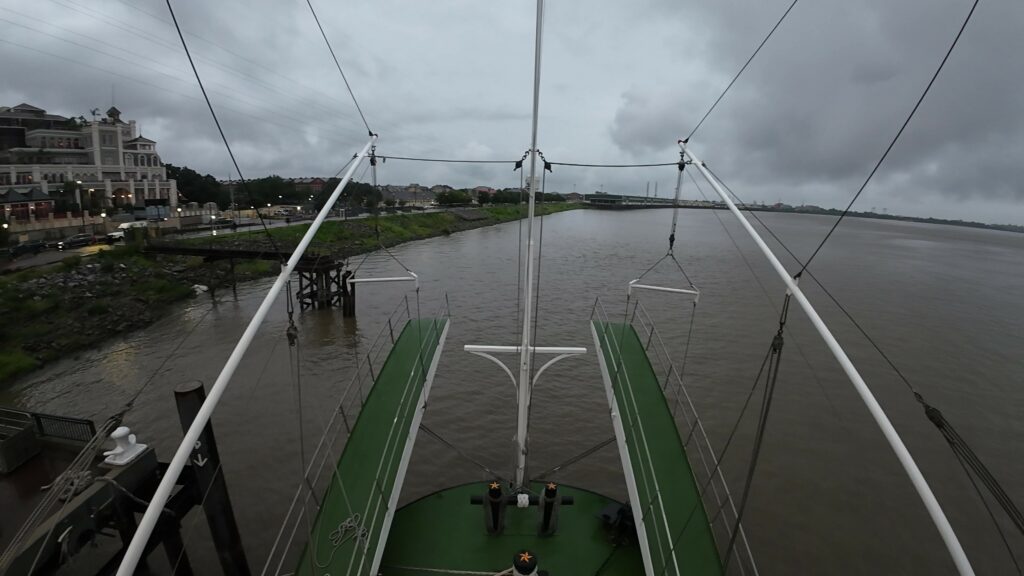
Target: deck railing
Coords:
[(712, 486), (49, 425), (367, 368)]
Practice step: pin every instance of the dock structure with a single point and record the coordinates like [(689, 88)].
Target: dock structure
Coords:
[(323, 280)]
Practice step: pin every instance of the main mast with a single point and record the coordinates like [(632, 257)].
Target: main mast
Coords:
[(525, 349)]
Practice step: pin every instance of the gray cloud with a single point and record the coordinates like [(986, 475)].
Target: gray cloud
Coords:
[(621, 82)]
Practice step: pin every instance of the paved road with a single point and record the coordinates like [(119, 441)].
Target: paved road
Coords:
[(50, 257)]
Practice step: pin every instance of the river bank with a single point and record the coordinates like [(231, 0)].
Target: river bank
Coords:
[(52, 311), (357, 236)]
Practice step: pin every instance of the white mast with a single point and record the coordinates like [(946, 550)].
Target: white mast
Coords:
[(963, 565), (525, 356)]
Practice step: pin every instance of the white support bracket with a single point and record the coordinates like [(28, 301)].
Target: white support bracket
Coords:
[(634, 286), (561, 353), (412, 277)]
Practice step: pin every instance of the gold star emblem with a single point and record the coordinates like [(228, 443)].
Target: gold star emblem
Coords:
[(495, 485), (525, 557), (552, 486)]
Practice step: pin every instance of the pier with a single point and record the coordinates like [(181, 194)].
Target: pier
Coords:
[(323, 280)]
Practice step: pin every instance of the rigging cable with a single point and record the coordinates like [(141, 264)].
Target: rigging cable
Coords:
[(338, 64), (821, 387), (775, 360), (725, 447), (223, 137), (893, 142), (448, 160), (737, 76), (536, 300), (555, 469), (519, 254), (675, 203), (613, 165), (464, 455), (963, 452)]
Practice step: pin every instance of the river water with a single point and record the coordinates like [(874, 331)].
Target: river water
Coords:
[(828, 497)]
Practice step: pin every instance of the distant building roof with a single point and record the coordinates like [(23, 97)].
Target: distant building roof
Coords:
[(140, 140), (24, 107), (36, 194), (12, 196)]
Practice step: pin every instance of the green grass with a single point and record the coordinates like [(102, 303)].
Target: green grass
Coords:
[(508, 212), (256, 267), (25, 275), (71, 262), (361, 234), (14, 363), (97, 309), (34, 307), (160, 290)]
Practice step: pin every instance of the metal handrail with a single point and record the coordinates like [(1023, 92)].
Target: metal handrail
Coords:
[(401, 312), (696, 428), (694, 424), (634, 421)]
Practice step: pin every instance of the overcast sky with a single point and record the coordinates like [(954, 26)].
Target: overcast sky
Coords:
[(621, 82)]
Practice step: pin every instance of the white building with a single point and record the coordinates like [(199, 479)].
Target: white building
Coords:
[(118, 168)]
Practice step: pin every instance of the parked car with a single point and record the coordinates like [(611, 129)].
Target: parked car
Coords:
[(76, 240), (118, 235), (30, 247), (223, 222)]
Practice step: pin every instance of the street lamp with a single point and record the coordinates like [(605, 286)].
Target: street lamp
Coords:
[(81, 204)]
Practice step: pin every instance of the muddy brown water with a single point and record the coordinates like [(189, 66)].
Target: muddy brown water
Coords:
[(828, 497)]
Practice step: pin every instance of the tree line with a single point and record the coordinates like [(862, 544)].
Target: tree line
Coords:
[(507, 196), (275, 190)]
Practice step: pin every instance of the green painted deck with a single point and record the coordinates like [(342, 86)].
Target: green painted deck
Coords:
[(444, 532), (346, 533), (665, 488)]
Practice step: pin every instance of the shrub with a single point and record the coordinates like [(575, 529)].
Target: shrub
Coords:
[(71, 262), (15, 362), (97, 309)]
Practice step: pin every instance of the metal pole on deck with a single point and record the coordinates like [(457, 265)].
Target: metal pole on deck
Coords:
[(212, 490)]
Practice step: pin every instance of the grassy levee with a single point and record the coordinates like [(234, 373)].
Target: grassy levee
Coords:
[(51, 312)]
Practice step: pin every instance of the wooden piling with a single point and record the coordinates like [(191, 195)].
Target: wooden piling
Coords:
[(212, 488)]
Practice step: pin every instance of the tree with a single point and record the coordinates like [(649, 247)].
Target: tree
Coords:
[(508, 196), (271, 190), (195, 187), (454, 198), (390, 202), (402, 203), (483, 197)]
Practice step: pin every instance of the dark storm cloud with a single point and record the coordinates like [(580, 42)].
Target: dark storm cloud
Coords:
[(829, 91), (621, 82)]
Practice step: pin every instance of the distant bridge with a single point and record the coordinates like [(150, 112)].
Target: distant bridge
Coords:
[(624, 202)]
